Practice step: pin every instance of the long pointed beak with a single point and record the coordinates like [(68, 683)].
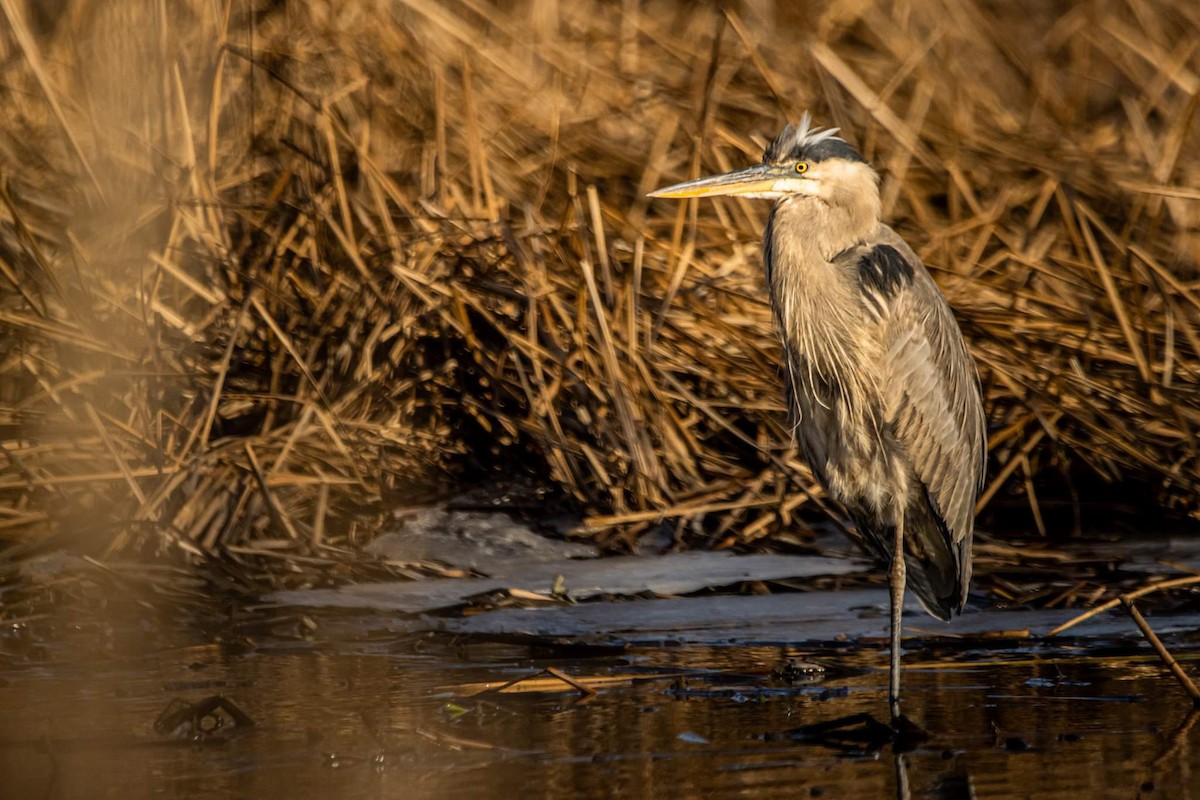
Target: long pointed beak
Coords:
[(752, 180)]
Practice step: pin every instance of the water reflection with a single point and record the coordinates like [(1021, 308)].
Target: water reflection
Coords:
[(390, 718)]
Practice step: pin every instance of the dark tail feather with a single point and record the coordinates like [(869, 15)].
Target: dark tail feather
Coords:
[(939, 569)]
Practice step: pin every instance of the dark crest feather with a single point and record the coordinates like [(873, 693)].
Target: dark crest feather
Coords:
[(805, 143)]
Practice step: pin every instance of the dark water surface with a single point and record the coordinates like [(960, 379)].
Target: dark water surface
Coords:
[(366, 715)]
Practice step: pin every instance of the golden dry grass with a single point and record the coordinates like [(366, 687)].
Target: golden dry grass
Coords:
[(273, 267)]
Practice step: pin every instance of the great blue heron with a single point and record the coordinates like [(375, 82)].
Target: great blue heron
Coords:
[(884, 394)]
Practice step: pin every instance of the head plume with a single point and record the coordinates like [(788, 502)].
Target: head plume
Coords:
[(803, 142)]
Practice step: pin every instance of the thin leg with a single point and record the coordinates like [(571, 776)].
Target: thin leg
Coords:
[(897, 589)]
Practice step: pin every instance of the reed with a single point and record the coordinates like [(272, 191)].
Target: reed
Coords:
[(274, 268)]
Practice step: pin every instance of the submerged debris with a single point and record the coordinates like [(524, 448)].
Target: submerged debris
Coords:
[(200, 720)]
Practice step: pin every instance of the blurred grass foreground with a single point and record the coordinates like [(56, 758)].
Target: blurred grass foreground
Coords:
[(272, 267)]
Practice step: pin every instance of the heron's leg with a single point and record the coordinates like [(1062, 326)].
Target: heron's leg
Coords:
[(897, 577)]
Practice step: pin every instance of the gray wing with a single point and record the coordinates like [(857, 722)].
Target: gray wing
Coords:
[(928, 383), (931, 407)]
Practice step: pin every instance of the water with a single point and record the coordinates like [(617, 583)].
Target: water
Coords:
[(344, 710)]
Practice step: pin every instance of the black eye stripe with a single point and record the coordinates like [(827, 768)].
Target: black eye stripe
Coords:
[(830, 148), (812, 153)]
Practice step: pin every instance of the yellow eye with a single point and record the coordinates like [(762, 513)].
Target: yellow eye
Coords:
[(802, 167)]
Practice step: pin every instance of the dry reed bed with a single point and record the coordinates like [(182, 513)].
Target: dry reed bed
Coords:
[(274, 274)]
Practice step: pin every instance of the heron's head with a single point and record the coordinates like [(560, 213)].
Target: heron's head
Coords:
[(802, 162)]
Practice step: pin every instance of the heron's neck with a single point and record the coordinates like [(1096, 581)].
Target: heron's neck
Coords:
[(823, 229), (815, 300)]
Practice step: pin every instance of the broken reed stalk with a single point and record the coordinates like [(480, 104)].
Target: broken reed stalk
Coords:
[(558, 675), (420, 249), (582, 688), (1184, 680)]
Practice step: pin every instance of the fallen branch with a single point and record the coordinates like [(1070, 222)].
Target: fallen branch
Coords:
[(1145, 590), (1163, 653)]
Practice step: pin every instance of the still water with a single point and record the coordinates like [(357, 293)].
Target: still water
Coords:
[(340, 714)]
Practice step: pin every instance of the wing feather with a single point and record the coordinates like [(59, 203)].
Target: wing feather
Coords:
[(931, 393)]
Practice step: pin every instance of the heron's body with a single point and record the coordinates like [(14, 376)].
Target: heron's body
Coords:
[(884, 394), (875, 363)]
